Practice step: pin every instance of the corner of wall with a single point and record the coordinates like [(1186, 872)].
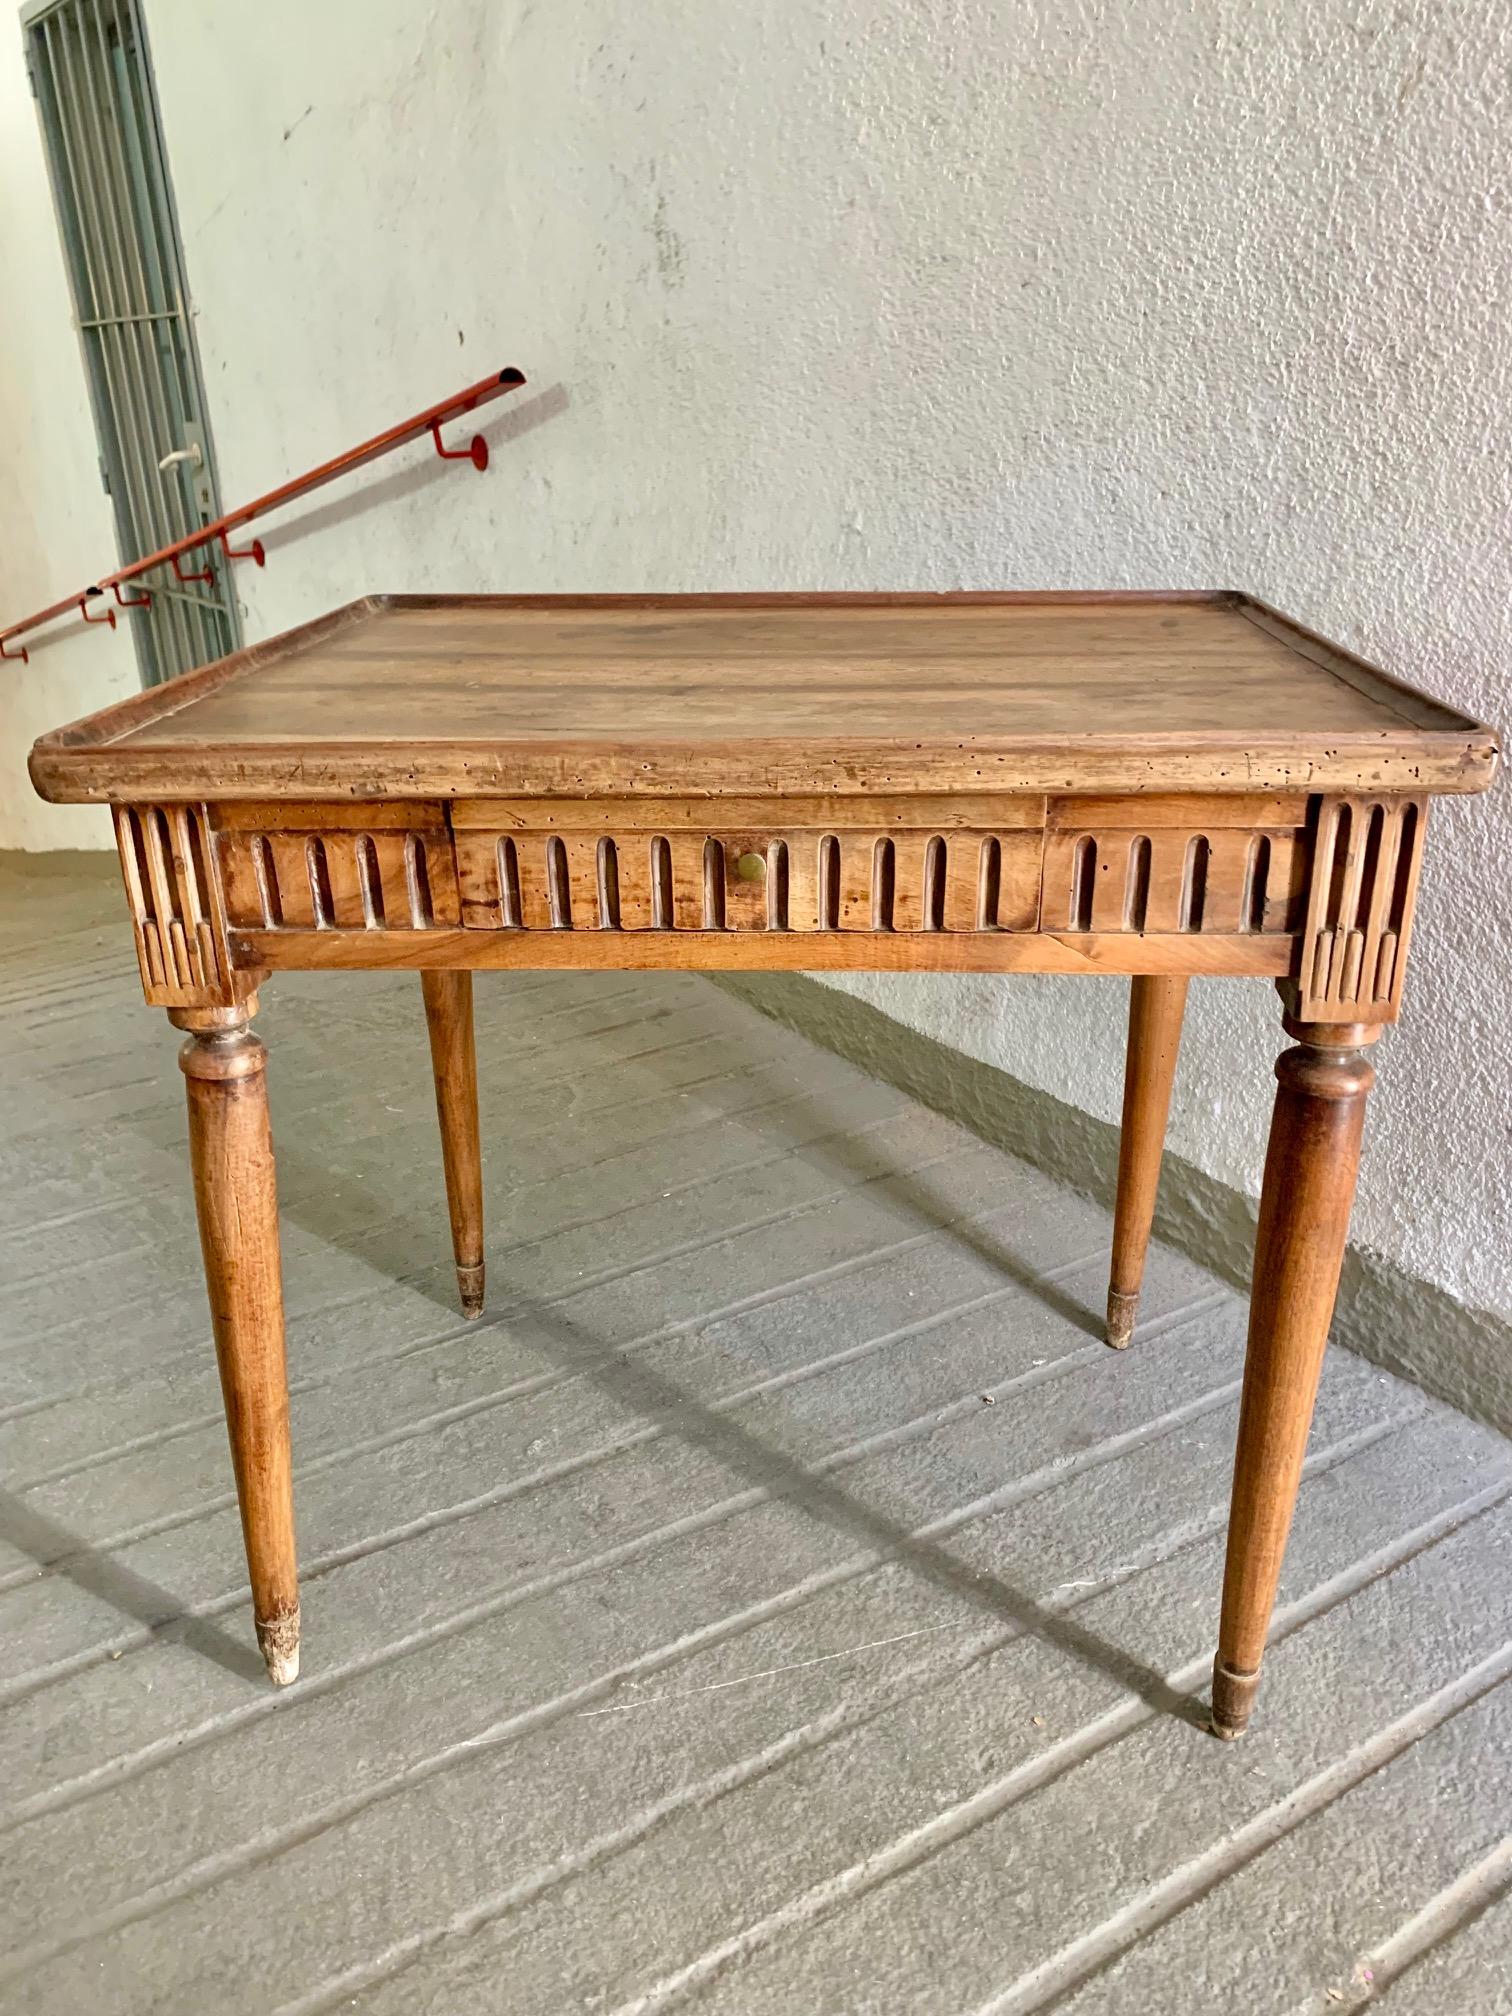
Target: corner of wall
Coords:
[(1408, 1326)]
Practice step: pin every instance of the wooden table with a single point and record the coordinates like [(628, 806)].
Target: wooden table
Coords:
[(1159, 786)]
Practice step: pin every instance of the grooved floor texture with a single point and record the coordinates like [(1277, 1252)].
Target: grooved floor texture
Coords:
[(780, 1602)]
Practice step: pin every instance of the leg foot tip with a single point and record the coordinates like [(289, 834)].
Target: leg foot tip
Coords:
[(1121, 1313), (470, 1289), (1233, 1700), (278, 1639)]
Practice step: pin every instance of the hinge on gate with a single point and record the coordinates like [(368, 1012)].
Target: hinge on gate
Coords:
[(104, 476)]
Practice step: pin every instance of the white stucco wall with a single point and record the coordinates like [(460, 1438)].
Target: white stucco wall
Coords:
[(852, 294)]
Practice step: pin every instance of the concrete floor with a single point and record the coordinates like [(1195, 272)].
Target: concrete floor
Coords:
[(781, 1602)]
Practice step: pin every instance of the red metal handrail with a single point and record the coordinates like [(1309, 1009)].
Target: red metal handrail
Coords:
[(428, 422)]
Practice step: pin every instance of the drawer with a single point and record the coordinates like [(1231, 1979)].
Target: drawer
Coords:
[(848, 878)]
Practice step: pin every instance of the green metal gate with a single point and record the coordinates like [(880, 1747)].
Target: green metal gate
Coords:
[(93, 85)]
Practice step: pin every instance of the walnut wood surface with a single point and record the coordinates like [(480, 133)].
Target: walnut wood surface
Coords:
[(448, 697), (1157, 1003), (1366, 856), (767, 951), (454, 1065), (1311, 1165), (231, 1154), (1164, 883)]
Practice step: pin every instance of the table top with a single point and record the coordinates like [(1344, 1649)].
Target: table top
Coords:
[(427, 696)]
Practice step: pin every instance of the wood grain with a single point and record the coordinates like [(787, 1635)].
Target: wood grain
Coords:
[(1365, 859), (231, 1155), (454, 1066), (174, 897), (1157, 1003), (761, 878), (373, 876), (1311, 1165), (989, 810), (452, 697), (700, 951)]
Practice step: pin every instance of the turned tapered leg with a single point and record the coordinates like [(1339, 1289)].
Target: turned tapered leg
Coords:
[(1310, 1170), (449, 1019), (231, 1152), (1157, 1002)]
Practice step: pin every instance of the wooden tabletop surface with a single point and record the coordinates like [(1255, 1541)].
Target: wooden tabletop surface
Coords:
[(409, 696)]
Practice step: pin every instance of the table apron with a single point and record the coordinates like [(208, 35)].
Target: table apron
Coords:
[(1316, 892)]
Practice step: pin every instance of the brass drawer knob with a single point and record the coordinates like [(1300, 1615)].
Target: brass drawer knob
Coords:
[(751, 867)]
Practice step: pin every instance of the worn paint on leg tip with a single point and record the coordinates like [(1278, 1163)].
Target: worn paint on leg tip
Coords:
[(1233, 1700), (278, 1638), (470, 1288), (1121, 1313)]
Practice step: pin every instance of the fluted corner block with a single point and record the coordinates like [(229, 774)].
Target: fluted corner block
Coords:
[(1352, 955)]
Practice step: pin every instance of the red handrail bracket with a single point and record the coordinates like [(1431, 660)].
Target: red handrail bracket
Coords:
[(252, 552), (84, 600), (475, 452), (187, 578), (142, 601), (23, 654)]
